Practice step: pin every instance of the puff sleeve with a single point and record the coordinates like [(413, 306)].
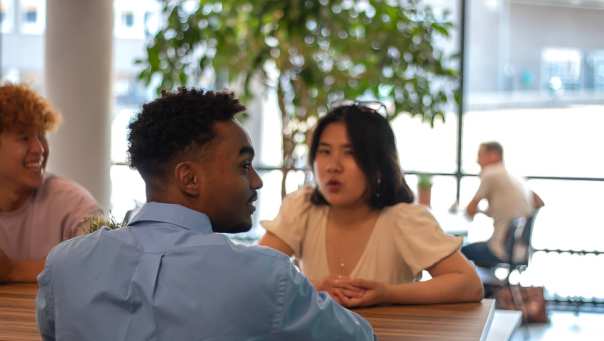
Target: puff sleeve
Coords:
[(419, 238), (290, 224)]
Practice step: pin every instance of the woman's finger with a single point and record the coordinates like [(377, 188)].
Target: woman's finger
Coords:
[(352, 293), (363, 283)]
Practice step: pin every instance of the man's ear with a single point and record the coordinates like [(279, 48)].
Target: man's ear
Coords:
[(187, 178)]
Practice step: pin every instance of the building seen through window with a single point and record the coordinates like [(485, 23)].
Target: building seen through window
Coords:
[(31, 15), (128, 19), (6, 16)]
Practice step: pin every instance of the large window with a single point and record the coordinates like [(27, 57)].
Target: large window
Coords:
[(133, 22), (539, 93)]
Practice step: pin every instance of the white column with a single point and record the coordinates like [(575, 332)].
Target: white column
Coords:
[(78, 75)]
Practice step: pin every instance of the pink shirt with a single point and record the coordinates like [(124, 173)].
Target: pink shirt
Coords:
[(52, 215)]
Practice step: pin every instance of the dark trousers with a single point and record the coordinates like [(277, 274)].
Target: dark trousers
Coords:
[(481, 255)]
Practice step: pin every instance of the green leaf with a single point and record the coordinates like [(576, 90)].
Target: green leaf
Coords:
[(345, 54), (440, 29)]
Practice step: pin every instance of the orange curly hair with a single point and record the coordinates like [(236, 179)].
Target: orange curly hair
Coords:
[(20, 106)]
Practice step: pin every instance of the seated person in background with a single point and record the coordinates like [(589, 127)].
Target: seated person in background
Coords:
[(507, 197), (169, 275), (37, 209), (358, 234)]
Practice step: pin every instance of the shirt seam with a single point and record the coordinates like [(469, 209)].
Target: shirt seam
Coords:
[(280, 307)]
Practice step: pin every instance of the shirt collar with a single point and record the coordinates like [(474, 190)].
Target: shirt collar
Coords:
[(173, 214)]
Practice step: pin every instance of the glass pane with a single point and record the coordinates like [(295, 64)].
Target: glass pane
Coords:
[(535, 84), (442, 193), (269, 138), (119, 134), (423, 148), (269, 197), (22, 43), (127, 191), (570, 219), (566, 275), (32, 16), (552, 141), (537, 91), (132, 26), (7, 18)]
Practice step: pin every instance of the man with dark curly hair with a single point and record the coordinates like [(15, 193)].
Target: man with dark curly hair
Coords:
[(37, 209), (169, 275)]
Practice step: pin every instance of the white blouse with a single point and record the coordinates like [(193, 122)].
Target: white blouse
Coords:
[(406, 239)]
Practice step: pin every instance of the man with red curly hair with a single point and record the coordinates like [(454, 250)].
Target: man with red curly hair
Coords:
[(37, 209)]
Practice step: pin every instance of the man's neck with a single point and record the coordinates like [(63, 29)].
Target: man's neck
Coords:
[(11, 200), (492, 164), (168, 197)]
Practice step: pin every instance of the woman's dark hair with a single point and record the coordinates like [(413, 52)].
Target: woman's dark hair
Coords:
[(375, 152), (174, 122)]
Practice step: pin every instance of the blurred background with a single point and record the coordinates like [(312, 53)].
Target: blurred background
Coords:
[(533, 79)]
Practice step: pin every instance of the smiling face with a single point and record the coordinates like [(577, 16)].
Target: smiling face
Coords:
[(23, 156), (341, 182), (228, 181)]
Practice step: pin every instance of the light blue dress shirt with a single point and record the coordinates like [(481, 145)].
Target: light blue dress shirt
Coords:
[(167, 276)]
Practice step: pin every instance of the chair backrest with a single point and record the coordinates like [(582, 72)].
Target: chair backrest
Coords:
[(518, 239)]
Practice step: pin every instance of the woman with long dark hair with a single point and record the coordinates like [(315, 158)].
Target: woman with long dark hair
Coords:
[(357, 234)]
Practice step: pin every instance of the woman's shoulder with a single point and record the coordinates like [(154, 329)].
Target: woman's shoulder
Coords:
[(301, 195), (298, 200), (61, 189), (296, 205), (54, 183), (405, 210), (408, 216)]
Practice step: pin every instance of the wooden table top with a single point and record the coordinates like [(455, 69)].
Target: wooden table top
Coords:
[(452, 322), (17, 312)]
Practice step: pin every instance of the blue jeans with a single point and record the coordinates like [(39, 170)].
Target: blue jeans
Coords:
[(481, 255)]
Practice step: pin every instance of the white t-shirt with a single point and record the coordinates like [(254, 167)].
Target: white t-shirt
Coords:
[(406, 239), (508, 198)]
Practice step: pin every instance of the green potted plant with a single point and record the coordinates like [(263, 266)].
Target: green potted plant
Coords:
[(310, 53), (424, 189)]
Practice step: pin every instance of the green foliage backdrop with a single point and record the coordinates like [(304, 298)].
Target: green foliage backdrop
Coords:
[(311, 52)]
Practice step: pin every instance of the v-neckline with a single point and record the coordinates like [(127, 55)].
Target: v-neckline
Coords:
[(363, 254)]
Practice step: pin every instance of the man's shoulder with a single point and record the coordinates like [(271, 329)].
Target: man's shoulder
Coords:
[(263, 254), (80, 247), (494, 172), (261, 260)]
